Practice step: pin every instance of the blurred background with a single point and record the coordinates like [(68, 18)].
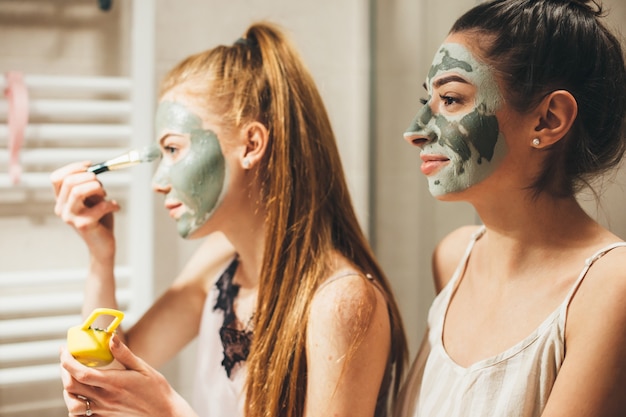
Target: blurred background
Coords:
[(91, 69)]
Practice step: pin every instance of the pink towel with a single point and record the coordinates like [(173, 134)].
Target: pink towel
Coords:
[(17, 97)]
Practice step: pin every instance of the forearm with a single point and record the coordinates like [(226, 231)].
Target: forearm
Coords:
[(100, 289)]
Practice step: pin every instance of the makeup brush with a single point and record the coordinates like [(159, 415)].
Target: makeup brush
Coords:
[(131, 158)]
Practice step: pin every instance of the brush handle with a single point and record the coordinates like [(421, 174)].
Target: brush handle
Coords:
[(98, 168)]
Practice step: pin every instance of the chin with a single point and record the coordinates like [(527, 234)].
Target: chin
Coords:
[(447, 195), (186, 232)]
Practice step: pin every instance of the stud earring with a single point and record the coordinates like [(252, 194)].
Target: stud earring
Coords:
[(536, 142), (246, 163)]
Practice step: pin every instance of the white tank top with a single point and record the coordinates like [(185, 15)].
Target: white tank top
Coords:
[(215, 394), (514, 383)]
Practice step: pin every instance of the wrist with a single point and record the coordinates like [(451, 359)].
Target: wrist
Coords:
[(178, 407), (102, 263)]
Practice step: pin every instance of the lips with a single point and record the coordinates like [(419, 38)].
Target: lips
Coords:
[(432, 163), (174, 208)]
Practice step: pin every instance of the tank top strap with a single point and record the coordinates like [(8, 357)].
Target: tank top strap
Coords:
[(588, 263), (349, 273), (458, 272), (439, 306)]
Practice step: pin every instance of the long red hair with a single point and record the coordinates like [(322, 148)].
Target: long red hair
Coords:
[(309, 213)]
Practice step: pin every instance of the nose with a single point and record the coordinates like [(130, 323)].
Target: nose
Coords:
[(420, 131), (159, 188), (415, 138), (160, 180)]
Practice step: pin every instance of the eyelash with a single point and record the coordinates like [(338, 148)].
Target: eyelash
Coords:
[(171, 150), (448, 100)]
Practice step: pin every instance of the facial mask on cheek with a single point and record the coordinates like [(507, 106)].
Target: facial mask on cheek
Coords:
[(471, 144), (451, 137), (198, 178), (479, 131)]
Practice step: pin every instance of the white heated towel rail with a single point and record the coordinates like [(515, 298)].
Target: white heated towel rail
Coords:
[(74, 118)]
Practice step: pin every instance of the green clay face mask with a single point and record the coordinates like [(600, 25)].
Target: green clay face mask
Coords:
[(463, 142), (197, 179)]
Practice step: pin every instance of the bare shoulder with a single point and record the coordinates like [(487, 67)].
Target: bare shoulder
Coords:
[(606, 275), (346, 306), (603, 290), (346, 298), (595, 338), (448, 254), (348, 342)]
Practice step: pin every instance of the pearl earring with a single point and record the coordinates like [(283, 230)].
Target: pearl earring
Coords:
[(536, 142), (246, 163)]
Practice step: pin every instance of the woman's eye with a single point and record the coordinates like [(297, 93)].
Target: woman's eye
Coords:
[(449, 100), (170, 150)]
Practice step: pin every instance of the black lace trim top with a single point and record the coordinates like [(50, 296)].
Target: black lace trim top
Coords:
[(235, 341)]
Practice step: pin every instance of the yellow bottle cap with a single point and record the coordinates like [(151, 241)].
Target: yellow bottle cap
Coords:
[(90, 346)]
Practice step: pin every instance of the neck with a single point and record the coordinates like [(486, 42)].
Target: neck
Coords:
[(524, 215), (246, 231), (525, 232), (249, 249)]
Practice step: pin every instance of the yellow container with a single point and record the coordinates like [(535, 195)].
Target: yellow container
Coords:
[(90, 346)]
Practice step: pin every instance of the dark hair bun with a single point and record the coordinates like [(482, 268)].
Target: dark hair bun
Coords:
[(590, 6)]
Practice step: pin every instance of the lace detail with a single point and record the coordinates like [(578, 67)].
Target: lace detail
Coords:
[(236, 342), (227, 293), (236, 346)]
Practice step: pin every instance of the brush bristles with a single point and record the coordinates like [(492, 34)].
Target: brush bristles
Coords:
[(149, 153)]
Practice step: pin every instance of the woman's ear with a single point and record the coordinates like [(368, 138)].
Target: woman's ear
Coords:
[(556, 113), (256, 138)]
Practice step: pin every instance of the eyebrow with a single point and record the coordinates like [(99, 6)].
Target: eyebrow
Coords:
[(163, 137), (167, 134), (449, 79)]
